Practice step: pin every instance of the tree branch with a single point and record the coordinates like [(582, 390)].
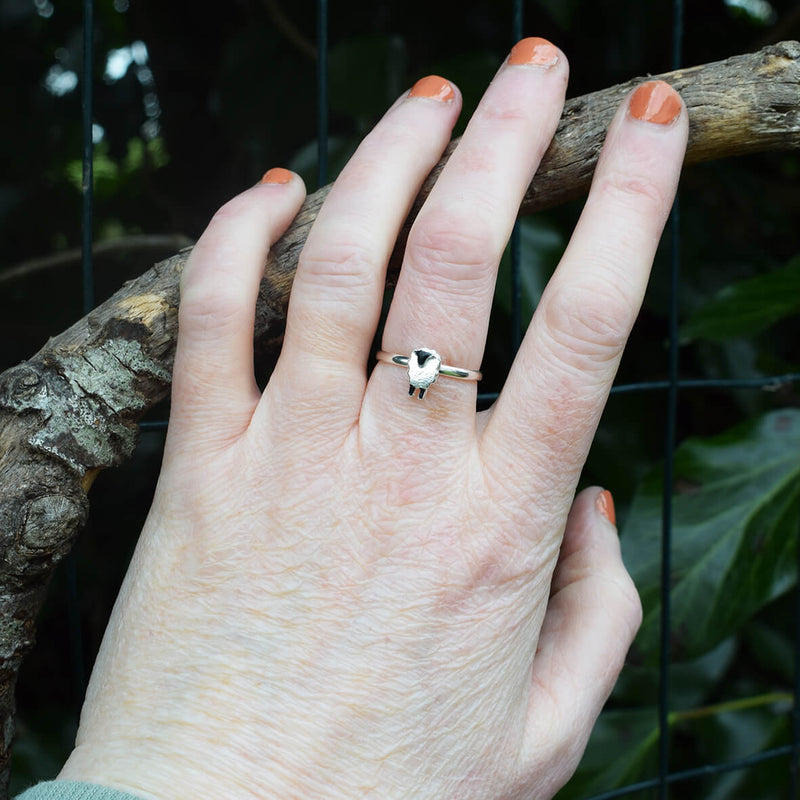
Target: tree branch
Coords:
[(73, 408), (136, 245)]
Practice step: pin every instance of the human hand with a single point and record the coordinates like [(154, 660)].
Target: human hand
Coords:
[(342, 591)]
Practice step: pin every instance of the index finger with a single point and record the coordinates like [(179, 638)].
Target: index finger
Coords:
[(555, 393)]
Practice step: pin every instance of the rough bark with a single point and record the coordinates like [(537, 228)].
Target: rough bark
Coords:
[(72, 409)]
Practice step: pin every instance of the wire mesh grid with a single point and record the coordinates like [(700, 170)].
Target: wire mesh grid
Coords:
[(659, 784)]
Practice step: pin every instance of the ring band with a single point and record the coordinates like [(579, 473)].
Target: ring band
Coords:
[(424, 366), (459, 373)]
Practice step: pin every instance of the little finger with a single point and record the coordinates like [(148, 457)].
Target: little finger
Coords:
[(214, 385)]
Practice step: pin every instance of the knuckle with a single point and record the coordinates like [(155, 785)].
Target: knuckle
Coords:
[(624, 189), (504, 113), (216, 250), (454, 246), (588, 325), (213, 291), (346, 261), (211, 309)]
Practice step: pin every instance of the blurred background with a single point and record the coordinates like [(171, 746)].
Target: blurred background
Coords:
[(193, 103)]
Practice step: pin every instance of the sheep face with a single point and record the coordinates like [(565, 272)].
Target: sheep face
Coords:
[(423, 369)]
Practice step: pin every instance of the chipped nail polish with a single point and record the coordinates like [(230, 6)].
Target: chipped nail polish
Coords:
[(605, 505), (434, 88), (535, 51), (655, 101)]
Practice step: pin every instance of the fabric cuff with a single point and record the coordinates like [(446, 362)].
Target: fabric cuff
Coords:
[(72, 790)]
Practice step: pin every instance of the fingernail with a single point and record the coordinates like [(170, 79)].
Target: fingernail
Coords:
[(434, 88), (655, 101), (277, 175), (533, 50), (605, 505)]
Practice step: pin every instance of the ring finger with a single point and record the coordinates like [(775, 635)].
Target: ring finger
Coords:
[(444, 293)]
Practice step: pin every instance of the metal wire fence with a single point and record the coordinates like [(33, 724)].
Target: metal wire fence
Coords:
[(672, 387)]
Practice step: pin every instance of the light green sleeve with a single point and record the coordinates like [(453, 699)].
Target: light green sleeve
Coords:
[(70, 790)]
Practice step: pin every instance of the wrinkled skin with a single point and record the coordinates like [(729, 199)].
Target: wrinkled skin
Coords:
[(342, 591)]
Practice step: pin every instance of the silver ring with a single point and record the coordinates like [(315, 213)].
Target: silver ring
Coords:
[(424, 367)]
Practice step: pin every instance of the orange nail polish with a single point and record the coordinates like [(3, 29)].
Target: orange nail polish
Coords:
[(533, 50), (655, 101), (434, 88), (277, 175), (605, 505)]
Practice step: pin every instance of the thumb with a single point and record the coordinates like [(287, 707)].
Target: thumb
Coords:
[(592, 617)]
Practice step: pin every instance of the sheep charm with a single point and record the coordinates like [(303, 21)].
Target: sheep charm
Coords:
[(423, 369), (424, 366)]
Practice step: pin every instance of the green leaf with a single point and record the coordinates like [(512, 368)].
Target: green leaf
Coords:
[(691, 683), (105, 171), (736, 510), (541, 246), (772, 650), (749, 306), (732, 735), (621, 747), (152, 154)]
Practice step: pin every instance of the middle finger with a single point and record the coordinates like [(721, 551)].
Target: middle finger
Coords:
[(444, 293)]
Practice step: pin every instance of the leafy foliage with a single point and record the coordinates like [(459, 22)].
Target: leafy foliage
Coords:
[(736, 510), (736, 515), (747, 307)]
